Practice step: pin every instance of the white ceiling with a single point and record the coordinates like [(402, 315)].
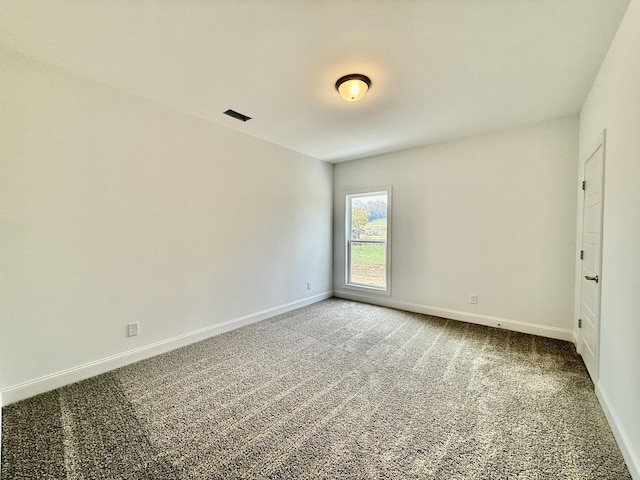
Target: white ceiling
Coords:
[(440, 69)]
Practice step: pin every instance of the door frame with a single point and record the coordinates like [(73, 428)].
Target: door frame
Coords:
[(600, 142)]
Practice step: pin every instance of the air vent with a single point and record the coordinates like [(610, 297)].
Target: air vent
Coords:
[(239, 116)]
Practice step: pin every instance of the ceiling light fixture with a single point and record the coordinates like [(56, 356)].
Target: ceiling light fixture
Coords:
[(352, 87)]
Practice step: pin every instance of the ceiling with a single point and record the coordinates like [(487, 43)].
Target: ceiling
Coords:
[(440, 69)]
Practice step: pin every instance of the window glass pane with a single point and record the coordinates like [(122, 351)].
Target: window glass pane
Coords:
[(369, 217), (368, 263), (366, 242)]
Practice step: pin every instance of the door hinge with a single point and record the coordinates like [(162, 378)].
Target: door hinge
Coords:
[(584, 184), (581, 254), (579, 323)]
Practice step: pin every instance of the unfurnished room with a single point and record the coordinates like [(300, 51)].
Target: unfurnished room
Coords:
[(331, 239)]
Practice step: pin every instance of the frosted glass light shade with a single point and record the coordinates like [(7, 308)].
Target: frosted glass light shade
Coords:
[(353, 87)]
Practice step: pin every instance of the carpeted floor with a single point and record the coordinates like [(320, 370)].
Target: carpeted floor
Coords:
[(338, 390)]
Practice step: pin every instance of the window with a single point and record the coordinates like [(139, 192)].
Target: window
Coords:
[(367, 240)]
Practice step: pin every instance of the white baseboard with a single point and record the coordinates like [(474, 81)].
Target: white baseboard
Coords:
[(631, 455), (55, 380), (517, 326)]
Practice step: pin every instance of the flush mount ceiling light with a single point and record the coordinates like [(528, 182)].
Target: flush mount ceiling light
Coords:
[(352, 87)]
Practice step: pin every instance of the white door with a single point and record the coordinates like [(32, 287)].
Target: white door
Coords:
[(591, 280)]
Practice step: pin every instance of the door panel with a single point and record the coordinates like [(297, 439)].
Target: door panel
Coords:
[(591, 264)]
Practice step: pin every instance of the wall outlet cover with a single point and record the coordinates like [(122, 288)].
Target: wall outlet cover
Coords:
[(132, 329)]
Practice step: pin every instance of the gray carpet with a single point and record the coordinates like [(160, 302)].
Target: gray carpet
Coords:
[(335, 390)]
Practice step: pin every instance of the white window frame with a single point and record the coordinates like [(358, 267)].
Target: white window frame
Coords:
[(348, 196)]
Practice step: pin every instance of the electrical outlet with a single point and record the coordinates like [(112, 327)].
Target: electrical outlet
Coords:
[(308, 285), (473, 298), (132, 329)]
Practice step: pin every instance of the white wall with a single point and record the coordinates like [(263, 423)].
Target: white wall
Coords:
[(493, 214), (614, 104), (114, 209)]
